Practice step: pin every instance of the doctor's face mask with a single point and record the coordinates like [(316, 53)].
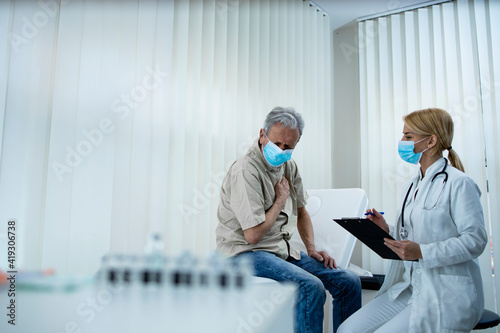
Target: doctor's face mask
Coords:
[(274, 155), (405, 150)]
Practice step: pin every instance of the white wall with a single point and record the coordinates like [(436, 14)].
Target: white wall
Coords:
[(346, 127), (346, 148), (171, 92)]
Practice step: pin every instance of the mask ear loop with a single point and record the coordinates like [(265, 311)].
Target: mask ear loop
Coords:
[(423, 151), (265, 135), (421, 141), (269, 141)]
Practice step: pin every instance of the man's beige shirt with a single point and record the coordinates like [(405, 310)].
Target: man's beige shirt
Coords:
[(247, 193)]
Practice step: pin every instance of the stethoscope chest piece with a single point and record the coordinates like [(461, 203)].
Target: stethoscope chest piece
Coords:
[(403, 233)]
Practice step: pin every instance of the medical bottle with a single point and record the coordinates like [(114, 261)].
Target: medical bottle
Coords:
[(153, 269)]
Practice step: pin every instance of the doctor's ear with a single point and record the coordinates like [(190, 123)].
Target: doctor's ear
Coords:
[(433, 141)]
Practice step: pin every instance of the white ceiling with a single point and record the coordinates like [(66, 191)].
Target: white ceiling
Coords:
[(344, 12)]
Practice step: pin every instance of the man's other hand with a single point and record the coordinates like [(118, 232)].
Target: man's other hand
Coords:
[(324, 258)]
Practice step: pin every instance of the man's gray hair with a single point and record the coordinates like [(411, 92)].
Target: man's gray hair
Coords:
[(286, 116)]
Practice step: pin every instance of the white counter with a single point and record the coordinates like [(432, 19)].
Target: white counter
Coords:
[(108, 309)]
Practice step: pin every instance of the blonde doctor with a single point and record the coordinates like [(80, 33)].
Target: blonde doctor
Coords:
[(439, 235)]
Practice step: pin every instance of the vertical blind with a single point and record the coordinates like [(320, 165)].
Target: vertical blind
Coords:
[(445, 56), (120, 118)]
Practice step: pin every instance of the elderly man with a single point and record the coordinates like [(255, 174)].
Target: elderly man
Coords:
[(262, 203)]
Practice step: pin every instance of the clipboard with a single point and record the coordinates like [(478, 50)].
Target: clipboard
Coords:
[(369, 234)]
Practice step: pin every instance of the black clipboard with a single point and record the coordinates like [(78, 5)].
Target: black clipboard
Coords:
[(370, 234)]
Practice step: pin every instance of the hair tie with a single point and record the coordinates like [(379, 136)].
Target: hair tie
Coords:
[(449, 148)]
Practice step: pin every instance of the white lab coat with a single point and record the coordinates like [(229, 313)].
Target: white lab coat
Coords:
[(447, 287)]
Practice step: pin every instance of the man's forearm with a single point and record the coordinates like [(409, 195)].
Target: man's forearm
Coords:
[(255, 234), (306, 232)]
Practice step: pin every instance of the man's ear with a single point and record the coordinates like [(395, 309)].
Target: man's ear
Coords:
[(262, 136)]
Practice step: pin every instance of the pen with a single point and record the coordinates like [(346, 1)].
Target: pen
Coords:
[(381, 213)]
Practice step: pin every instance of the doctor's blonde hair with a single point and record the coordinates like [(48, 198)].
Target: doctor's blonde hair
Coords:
[(439, 122)]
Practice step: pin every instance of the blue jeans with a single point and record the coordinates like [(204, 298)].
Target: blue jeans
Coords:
[(312, 278)]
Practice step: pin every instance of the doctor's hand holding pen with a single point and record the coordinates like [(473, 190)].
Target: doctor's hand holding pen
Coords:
[(405, 249), (378, 218)]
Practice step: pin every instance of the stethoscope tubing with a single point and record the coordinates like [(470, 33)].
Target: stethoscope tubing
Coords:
[(445, 180)]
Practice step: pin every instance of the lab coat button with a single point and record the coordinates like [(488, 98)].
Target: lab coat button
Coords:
[(418, 271), (417, 292)]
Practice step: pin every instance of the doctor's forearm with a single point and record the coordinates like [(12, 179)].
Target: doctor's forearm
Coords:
[(451, 251)]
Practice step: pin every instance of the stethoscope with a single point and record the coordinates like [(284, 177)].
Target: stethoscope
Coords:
[(403, 233)]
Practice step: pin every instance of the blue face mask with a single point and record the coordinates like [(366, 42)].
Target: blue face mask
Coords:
[(405, 150), (274, 155)]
